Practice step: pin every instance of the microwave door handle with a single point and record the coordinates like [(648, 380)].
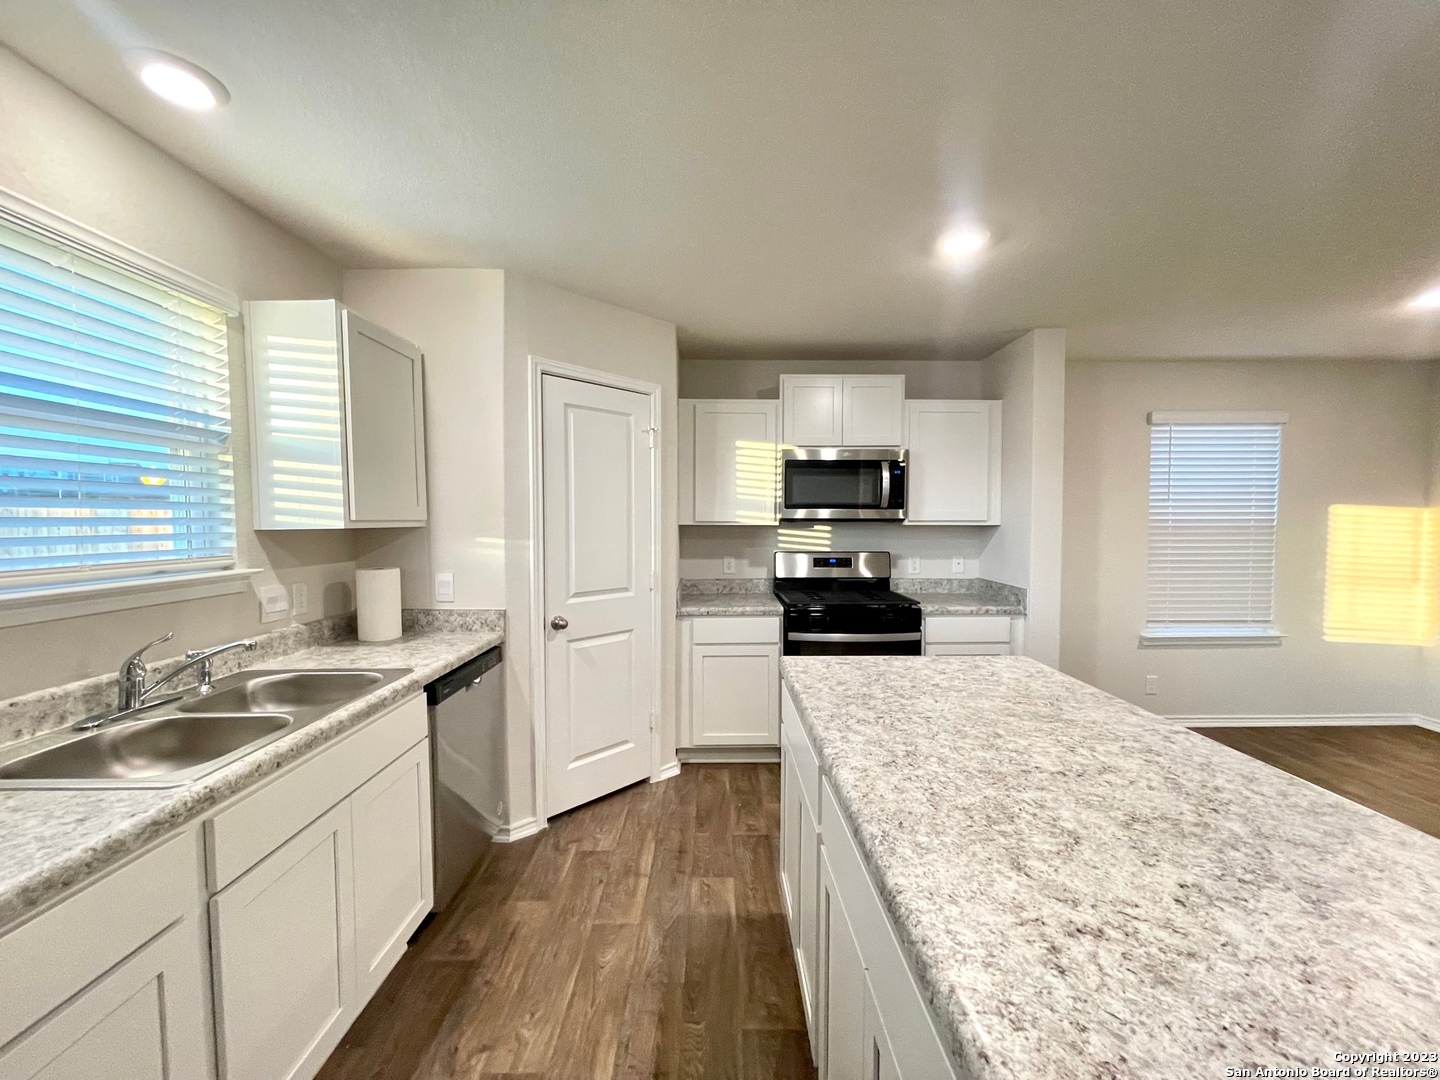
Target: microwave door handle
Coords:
[(884, 485)]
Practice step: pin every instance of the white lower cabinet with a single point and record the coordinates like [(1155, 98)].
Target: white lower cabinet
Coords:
[(842, 983), (731, 673), (867, 1018), (110, 982), (878, 1058), (390, 826), (144, 1020), (303, 937), (315, 881), (283, 956), (968, 635)]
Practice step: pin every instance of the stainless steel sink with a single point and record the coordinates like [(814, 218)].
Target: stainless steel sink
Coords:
[(284, 691), (165, 746), (191, 737)]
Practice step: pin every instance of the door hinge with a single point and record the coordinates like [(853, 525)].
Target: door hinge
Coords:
[(650, 434)]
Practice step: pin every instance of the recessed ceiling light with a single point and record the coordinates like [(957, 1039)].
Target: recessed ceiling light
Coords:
[(1429, 300), (179, 81), (960, 245)]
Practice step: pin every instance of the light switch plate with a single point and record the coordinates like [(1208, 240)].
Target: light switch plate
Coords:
[(957, 564), (274, 603), (912, 565), (729, 564), (299, 598), (1152, 684), (444, 588)]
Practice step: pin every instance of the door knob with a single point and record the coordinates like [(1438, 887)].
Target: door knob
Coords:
[(559, 622)]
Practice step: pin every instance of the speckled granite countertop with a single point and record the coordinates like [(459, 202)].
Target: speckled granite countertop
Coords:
[(937, 596), (1086, 890), (51, 841), (962, 596), (726, 596)]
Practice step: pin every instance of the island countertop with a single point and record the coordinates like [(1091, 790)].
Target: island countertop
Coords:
[(1087, 890)]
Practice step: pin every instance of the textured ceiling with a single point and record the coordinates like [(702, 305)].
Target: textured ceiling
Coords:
[(1226, 178)]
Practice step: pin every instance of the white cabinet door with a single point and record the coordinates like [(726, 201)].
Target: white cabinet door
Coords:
[(735, 695), (791, 806), (360, 462), (811, 407), (145, 1020), (394, 882), (283, 942), (872, 410), (735, 466), (954, 473), (384, 425), (841, 987), (879, 1058), (807, 943)]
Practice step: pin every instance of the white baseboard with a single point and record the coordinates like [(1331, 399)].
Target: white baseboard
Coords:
[(702, 755), (506, 834), (666, 771), (1325, 720)]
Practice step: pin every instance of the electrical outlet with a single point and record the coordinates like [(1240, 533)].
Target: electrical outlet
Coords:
[(912, 565), (299, 598), (274, 602), (728, 564), (1152, 684), (444, 588), (957, 564)]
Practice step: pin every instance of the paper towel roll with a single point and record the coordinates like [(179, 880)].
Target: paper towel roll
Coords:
[(377, 603)]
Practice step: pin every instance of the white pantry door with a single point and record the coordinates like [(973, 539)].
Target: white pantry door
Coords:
[(599, 652)]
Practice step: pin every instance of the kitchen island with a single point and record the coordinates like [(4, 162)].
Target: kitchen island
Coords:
[(1083, 889)]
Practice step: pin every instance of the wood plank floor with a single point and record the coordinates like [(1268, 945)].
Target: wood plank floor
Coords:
[(1391, 769), (639, 936)]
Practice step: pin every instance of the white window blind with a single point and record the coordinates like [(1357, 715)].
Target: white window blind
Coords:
[(1214, 502), (114, 422)]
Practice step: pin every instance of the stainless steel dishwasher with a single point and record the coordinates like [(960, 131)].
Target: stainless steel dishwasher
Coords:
[(467, 766)]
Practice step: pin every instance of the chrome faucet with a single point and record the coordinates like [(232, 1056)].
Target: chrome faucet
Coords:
[(133, 691)]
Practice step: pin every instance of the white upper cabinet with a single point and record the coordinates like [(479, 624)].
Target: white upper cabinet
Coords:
[(337, 419), (954, 473), (812, 406), (843, 410), (872, 410), (728, 464)]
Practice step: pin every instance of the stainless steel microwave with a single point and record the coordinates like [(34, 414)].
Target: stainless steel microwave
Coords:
[(842, 483)]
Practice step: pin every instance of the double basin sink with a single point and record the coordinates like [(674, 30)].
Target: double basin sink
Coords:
[(181, 741)]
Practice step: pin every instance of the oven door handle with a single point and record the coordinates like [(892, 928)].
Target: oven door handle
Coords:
[(797, 636), (885, 485)]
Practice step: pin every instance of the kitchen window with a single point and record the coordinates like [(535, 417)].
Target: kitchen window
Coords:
[(1214, 507), (115, 445)]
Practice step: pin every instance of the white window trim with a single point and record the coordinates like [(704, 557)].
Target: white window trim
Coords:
[(67, 600), (92, 598), (1179, 637), (1218, 418), (1189, 640), (21, 211)]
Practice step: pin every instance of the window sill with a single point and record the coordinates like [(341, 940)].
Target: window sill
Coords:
[(92, 598), (1193, 640)]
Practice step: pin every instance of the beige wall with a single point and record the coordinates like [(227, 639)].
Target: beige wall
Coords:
[(1028, 375), (1359, 432), (550, 323), (63, 153), (457, 317), (760, 378)]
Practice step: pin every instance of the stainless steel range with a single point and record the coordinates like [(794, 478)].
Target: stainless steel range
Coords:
[(839, 603)]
